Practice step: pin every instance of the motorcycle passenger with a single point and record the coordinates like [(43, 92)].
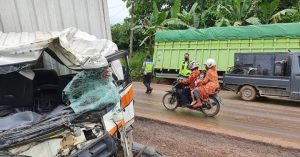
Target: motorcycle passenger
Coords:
[(183, 70), (208, 85), (190, 81)]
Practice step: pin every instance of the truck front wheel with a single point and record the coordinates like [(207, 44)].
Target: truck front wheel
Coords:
[(248, 93)]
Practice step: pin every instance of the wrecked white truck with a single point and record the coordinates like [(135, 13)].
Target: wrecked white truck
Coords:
[(87, 111)]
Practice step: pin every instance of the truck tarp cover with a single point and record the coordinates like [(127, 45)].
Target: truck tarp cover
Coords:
[(291, 30)]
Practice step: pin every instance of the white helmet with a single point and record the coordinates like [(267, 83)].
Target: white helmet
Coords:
[(193, 65), (210, 62)]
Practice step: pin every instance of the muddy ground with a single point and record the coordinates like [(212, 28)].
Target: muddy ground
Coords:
[(179, 141), (271, 120)]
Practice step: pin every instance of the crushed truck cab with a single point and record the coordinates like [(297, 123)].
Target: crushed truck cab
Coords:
[(48, 110)]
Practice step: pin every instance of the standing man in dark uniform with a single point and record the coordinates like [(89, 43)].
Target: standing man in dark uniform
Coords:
[(147, 71), (183, 69)]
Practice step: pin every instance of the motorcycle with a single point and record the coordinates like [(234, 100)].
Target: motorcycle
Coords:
[(180, 96)]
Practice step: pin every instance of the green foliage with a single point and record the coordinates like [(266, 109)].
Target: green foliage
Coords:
[(286, 15), (175, 9), (120, 33), (175, 23), (120, 36), (157, 17), (273, 11), (209, 17), (190, 17), (135, 65), (159, 21), (267, 9), (237, 12)]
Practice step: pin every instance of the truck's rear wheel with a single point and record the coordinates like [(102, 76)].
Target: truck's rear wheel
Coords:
[(248, 93)]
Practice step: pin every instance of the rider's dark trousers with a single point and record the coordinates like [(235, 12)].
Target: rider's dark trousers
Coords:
[(147, 81)]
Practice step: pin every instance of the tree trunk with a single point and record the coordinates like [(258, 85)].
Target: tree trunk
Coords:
[(131, 32), (151, 46)]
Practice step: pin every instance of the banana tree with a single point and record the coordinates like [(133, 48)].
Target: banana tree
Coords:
[(175, 9), (268, 10), (159, 21), (286, 15), (191, 17), (150, 26), (237, 12), (174, 21)]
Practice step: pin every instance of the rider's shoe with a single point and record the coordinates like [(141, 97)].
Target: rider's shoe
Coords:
[(193, 103), (197, 105)]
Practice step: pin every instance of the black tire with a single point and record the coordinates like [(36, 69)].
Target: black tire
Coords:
[(214, 107), (248, 93), (170, 102)]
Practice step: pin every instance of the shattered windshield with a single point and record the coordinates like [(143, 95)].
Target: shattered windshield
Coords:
[(90, 90)]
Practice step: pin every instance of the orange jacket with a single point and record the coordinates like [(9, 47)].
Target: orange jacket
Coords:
[(209, 84), (190, 81)]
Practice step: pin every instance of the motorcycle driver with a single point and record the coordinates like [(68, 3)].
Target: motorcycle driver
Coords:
[(208, 85), (190, 81)]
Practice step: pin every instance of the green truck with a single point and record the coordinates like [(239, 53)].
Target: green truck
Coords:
[(221, 43)]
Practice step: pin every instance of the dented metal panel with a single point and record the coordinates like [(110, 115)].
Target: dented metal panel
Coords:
[(74, 48), (55, 15)]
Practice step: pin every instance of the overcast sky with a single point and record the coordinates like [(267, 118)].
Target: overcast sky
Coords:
[(117, 11)]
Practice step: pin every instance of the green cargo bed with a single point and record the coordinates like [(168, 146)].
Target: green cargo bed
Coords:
[(221, 43)]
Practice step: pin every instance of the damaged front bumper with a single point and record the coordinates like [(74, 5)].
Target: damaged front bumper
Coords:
[(61, 134), (104, 146)]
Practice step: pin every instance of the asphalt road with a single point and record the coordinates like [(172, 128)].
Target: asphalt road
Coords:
[(269, 120)]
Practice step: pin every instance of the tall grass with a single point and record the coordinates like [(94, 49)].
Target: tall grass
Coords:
[(135, 65)]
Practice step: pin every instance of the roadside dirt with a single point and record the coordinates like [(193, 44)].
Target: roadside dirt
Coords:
[(178, 141)]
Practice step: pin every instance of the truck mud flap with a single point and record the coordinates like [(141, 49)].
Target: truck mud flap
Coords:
[(102, 147)]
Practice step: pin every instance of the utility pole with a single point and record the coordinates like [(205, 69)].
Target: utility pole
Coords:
[(131, 30)]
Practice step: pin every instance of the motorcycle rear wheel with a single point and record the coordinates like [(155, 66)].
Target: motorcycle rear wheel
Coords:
[(170, 102), (213, 108)]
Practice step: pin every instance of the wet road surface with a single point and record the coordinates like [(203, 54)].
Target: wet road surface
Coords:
[(270, 120)]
